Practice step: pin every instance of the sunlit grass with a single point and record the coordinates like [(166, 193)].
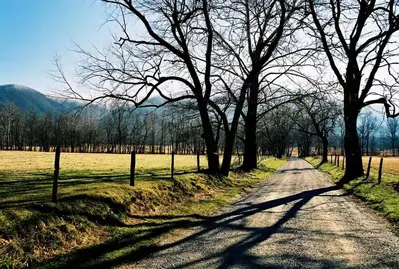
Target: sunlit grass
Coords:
[(390, 164), (26, 177), (25, 163)]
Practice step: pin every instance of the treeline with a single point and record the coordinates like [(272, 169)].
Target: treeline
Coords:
[(122, 129), (117, 130), (377, 136)]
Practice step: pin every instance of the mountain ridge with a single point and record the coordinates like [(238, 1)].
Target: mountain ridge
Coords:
[(29, 99)]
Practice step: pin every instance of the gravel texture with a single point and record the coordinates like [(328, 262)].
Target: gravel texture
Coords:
[(295, 219)]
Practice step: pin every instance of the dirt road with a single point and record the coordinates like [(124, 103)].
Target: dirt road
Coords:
[(296, 219)]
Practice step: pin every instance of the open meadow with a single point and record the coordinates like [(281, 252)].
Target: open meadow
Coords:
[(26, 163), (26, 177), (390, 164)]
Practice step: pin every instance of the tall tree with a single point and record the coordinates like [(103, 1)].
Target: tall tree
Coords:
[(356, 37), (258, 41), (366, 129), (165, 57), (276, 129)]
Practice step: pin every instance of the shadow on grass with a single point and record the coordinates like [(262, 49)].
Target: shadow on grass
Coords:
[(35, 190), (101, 219), (138, 245)]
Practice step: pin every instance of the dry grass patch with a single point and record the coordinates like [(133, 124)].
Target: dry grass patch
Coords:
[(27, 162), (390, 164)]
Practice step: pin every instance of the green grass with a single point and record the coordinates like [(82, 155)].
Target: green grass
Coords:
[(383, 197), (103, 221), (26, 177)]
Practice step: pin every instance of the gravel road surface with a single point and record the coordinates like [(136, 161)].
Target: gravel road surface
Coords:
[(296, 219)]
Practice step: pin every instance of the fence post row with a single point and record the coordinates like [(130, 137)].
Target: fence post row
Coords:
[(132, 167), (380, 171), (172, 168), (368, 168), (56, 174)]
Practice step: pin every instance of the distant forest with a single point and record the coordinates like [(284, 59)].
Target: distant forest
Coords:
[(122, 129)]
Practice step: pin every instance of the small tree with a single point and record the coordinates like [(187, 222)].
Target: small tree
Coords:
[(322, 113), (366, 130), (391, 132)]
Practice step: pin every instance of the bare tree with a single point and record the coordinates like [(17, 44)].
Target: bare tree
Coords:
[(256, 44), (304, 136), (322, 113), (367, 128), (357, 36), (163, 58), (277, 130)]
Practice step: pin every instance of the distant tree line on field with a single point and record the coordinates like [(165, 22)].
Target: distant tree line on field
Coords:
[(117, 130), (308, 125), (122, 129)]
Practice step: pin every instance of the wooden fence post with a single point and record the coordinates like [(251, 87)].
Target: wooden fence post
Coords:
[(56, 174), (343, 162), (331, 159), (380, 171), (335, 160), (198, 161), (338, 161), (132, 167), (368, 168), (172, 168)]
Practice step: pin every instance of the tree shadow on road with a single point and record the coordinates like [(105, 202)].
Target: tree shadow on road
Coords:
[(293, 170), (132, 248)]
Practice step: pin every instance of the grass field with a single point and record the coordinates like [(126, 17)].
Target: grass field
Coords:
[(100, 220), (390, 171), (390, 164), (28, 163)]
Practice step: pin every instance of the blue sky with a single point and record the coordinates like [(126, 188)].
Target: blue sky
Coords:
[(32, 32)]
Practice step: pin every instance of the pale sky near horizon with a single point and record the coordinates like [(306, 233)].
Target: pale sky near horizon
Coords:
[(33, 32)]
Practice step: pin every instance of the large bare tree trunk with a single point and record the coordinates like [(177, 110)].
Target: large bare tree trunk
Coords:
[(227, 154), (211, 145), (250, 145), (354, 165), (230, 135)]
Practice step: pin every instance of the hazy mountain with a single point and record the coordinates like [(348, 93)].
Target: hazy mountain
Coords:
[(28, 99)]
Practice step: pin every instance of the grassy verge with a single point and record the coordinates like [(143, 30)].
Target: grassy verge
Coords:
[(383, 197), (103, 224)]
